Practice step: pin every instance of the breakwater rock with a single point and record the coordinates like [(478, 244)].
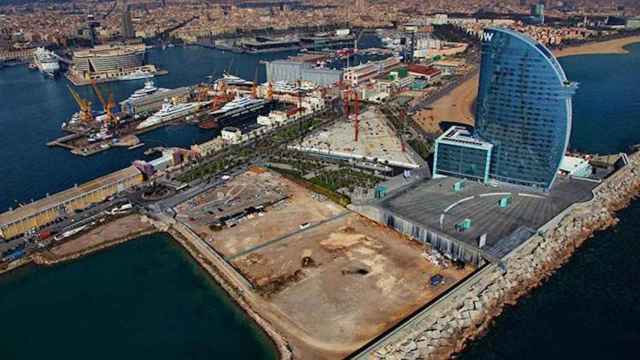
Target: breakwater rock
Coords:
[(466, 312)]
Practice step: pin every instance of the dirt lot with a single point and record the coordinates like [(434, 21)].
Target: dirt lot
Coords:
[(284, 218), (332, 288), (112, 231)]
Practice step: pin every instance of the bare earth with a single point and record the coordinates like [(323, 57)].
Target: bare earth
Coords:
[(280, 220), (316, 286), (122, 228), (325, 308), (458, 105)]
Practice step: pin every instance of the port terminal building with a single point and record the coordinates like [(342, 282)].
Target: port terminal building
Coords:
[(108, 62), (35, 215), (293, 71)]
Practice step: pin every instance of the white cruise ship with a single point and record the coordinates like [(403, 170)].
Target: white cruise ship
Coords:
[(46, 61), (170, 112), (239, 106)]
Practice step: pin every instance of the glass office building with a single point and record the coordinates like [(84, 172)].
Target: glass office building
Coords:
[(458, 154), (523, 108)]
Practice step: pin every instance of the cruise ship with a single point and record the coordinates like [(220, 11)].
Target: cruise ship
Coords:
[(46, 61), (170, 112)]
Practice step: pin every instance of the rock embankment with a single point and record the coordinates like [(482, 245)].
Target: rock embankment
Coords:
[(467, 314)]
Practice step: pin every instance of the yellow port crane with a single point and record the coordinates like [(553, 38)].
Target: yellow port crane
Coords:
[(254, 86), (270, 92), (108, 105), (86, 116)]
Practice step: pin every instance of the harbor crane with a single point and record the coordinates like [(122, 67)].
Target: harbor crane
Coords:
[(86, 116), (270, 92), (254, 86), (108, 106)]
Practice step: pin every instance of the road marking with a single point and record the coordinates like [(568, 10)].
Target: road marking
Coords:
[(284, 237)]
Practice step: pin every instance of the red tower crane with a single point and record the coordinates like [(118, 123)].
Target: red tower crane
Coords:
[(356, 107)]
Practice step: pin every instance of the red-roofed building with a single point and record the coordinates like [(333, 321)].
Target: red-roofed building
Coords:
[(423, 72)]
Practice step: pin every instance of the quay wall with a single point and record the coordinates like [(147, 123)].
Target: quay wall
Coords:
[(466, 312)]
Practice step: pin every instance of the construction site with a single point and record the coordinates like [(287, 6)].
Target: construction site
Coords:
[(314, 266), (367, 137)]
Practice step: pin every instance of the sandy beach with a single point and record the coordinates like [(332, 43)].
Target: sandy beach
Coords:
[(615, 46), (458, 105)]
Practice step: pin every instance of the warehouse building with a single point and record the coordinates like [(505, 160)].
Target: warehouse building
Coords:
[(292, 71), (35, 215)]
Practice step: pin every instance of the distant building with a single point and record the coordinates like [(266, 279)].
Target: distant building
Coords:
[(106, 61), (537, 11), (523, 109), (359, 74), (127, 30), (633, 23)]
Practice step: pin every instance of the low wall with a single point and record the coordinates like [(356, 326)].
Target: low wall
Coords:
[(467, 311)]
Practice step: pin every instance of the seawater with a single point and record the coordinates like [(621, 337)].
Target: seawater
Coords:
[(589, 309), (145, 299)]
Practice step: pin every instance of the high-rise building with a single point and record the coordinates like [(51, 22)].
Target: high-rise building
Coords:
[(537, 11), (127, 31), (523, 110)]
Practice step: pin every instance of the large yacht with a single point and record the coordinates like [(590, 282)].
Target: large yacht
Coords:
[(148, 89), (170, 112), (239, 106), (137, 75), (46, 61)]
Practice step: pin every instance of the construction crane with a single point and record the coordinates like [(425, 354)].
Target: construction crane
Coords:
[(356, 108), (254, 87), (403, 124), (108, 106), (86, 116), (270, 92)]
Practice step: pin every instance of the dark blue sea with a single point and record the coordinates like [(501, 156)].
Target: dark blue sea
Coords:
[(147, 298)]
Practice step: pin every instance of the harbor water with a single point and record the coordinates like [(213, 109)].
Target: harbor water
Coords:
[(145, 299), (148, 298)]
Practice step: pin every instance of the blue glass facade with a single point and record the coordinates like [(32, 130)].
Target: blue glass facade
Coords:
[(523, 108), (458, 154)]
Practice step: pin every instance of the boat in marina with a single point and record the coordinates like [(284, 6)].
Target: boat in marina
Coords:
[(46, 62), (148, 89), (170, 111), (137, 74), (239, 106)]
